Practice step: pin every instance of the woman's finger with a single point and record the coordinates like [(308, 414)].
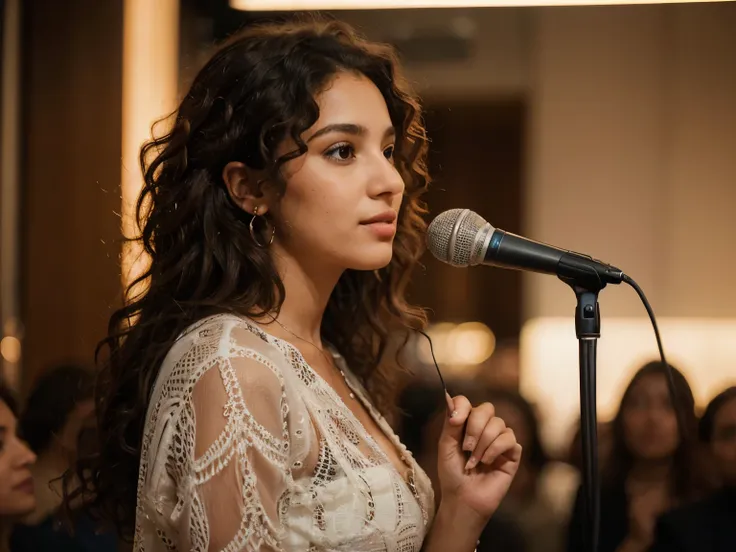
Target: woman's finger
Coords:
[(493, 428), (504, 445), (477, 423)]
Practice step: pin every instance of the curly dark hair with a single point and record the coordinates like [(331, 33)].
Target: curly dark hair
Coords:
[(255, 92), (688, 481), (52, 399)]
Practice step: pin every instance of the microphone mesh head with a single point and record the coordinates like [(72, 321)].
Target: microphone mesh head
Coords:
[(457, 237)]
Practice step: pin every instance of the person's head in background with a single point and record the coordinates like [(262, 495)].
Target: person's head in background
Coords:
[(520, 416), (647, 437), (717, 431), (57, 411), (17, 496), (574, 454)]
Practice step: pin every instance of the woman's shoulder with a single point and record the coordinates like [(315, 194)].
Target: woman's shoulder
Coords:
[(218, 337), (222, 327), (221, 347)]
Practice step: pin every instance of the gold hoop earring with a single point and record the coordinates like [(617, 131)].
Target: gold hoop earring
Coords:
[(253, 231)]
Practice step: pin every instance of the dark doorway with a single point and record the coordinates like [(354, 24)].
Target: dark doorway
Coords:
[(476, 160)]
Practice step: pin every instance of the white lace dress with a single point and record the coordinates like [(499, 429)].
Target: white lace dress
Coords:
[(245, 447)]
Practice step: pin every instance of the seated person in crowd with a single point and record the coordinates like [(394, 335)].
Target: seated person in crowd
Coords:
[(708, 525), (17, 496), (653, 465), (57, 416)]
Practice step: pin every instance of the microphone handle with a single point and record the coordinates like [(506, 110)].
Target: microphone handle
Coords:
[(507, 250)]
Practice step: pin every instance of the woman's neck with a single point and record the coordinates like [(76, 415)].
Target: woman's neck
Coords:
[(308, 285)]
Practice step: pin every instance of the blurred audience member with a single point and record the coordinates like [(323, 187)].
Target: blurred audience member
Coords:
[(423, 410), (17, 496), (525, 503), (605, 445), (57, 416), (653, 465), (708, 525)]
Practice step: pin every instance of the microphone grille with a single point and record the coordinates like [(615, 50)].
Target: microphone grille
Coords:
[(458, 237)]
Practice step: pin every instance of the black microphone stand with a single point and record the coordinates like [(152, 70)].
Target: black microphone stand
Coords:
[(587, 283), (588, 330)]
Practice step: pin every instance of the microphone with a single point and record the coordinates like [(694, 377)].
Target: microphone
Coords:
[(460, 237)]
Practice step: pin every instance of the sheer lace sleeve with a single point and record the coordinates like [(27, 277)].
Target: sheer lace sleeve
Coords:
[(240, 454), (229, 456)]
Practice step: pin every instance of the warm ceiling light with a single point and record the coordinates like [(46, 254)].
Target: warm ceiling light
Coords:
[(303, 5)]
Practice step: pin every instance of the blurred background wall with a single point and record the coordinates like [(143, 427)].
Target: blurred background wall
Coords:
[(71, 102)]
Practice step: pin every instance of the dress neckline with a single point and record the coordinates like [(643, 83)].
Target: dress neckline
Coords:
[(380, 421)]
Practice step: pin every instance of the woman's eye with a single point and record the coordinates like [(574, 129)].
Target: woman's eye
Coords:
[(389, 152), (341, 152)]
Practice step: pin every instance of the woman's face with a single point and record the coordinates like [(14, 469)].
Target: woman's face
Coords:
[(17, 495), (342, 197), (649, 421), (723, 441)]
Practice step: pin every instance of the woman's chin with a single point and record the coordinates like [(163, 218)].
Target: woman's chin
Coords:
[(372, 258), (22, 506)]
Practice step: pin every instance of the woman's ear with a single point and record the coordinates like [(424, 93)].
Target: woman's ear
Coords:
[(246, 187)]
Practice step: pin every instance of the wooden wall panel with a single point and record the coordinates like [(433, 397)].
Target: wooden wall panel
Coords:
[(72, 133)]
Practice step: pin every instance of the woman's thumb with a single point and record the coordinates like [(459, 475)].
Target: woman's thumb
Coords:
[(458, 409)]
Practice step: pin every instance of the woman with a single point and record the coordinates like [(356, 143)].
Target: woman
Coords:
[(708, 525), (57, 414), (17, 497), (247, 385), (653, 464)]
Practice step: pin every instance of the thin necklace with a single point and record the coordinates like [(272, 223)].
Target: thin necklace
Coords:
[(320, 350)]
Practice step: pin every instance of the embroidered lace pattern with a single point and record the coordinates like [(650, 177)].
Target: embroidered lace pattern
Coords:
[(246, 448)]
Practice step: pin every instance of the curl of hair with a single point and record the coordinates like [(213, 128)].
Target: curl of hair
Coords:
[(255, 92)]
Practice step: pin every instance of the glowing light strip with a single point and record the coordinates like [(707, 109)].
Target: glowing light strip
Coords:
[(281, 5), (10, 243), (150, 83)]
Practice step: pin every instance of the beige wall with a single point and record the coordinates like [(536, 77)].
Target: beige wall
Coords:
[(633, 131), (701, 179)]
